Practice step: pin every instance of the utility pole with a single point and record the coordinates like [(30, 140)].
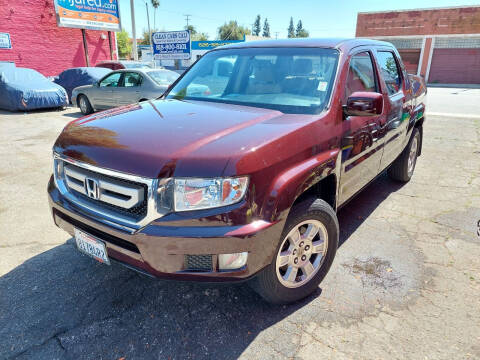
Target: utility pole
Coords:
[(149, 31), (187, 18), (134, 32)]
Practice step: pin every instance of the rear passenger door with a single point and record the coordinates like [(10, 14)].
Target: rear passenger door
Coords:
[(361, 135), (130, 91), (396, 105)]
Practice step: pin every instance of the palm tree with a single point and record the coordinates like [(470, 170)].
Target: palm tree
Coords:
[(155, 4)]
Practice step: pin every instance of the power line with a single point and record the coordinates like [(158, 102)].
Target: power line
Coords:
[(187, 18)]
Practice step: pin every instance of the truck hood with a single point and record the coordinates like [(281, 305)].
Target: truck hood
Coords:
[(164, 138)]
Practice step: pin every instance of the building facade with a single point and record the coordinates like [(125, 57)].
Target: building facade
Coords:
[(440, 44), (38, 43)]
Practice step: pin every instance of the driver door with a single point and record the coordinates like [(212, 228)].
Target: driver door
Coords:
[(103, 94), (362, 137)]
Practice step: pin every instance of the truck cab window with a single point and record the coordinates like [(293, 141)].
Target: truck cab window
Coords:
[(361, 74), (390, 72)]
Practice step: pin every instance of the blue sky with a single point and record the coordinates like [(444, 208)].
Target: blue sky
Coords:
[(334, 18)]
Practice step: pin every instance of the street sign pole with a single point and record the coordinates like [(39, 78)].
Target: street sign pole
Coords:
[(134, 32), (149, 30), (85, 47)]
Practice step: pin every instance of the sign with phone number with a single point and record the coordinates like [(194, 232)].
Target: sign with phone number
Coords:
[(171, 45)]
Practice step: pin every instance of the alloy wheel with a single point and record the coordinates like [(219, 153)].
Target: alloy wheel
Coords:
[(412, 156), (302, 253), (83, 105)]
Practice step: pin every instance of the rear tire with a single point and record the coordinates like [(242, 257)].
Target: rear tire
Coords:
[(403, 167), (84, 105), (304, 254)]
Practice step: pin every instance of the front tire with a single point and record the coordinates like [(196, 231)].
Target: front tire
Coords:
[(84, 105), (304, 255), (403, 167)]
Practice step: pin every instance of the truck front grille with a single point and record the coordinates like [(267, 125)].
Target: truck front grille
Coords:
[(125, 197), (127, 202)]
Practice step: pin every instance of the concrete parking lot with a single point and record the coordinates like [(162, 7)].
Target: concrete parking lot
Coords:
[(405, 282)]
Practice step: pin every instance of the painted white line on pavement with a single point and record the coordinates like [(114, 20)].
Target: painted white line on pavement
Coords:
[(465, 116)]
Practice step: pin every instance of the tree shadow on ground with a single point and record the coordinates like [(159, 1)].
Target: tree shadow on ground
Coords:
[(62, 304)]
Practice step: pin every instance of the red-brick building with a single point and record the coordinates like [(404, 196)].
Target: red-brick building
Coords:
[(441, 44), (38, 43)]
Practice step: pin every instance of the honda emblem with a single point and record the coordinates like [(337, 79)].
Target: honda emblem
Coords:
[(92, 189)]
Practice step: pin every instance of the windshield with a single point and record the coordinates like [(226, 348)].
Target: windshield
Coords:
[(163, 77), (292, 80), (129, 65)]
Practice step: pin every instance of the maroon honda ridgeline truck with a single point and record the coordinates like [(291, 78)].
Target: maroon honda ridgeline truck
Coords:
[(238, 170)]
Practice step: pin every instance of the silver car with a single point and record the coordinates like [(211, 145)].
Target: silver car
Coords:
[(122, 87)]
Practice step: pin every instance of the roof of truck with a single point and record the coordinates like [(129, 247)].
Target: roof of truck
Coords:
[(343, 43)]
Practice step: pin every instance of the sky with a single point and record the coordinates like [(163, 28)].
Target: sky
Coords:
[(331, 18)]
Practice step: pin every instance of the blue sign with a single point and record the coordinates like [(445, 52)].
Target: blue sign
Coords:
[(5, 42), (212, 44), (171, 45)]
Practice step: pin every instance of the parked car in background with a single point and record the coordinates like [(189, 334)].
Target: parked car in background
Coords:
[(26, 89), (122, 87), (242, 182), (74, 77), (123, 64)]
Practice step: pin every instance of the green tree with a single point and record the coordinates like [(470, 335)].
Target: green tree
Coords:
[(301, 32), (145, 39), (196, 36), (232, 31), (155, 4), (256, 26), (124, 45), (291, 29), (266, 29), (200, 37)]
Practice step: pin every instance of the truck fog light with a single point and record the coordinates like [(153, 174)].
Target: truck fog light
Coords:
[(232, 261)]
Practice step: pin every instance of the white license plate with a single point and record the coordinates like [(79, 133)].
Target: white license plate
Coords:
[(91, 246)]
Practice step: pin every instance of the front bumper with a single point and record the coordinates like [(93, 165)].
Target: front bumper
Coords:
[(161, 247)]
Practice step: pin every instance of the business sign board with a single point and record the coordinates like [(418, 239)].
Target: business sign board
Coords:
[(88, 14), (171, 45), (5, 42), (212, 44)]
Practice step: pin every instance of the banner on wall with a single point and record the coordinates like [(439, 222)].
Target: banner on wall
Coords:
[(88, 14)]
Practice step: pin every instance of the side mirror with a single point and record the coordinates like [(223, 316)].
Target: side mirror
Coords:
[(364, 104)]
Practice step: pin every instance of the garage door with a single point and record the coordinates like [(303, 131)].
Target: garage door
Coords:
[(455, 61), (455, 66), (410, 58)]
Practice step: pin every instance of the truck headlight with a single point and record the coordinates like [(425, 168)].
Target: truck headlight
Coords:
[(197, 193)]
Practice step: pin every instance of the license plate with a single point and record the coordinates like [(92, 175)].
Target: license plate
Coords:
[(91, 246)]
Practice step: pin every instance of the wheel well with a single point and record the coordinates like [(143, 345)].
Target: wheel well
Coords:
[(142, 100), (419, 126), (325, 189)]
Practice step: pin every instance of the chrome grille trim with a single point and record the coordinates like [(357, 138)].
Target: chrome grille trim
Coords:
[(102, 214), (109, 191)]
